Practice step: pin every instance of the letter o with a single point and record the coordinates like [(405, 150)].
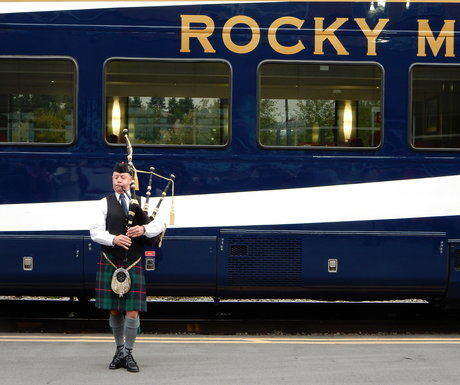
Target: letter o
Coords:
[(255, 30)]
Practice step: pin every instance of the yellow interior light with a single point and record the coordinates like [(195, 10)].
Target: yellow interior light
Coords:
[(116, 116), (347, 120)]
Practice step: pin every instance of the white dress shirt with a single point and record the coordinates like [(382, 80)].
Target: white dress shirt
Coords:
[(98, 230)]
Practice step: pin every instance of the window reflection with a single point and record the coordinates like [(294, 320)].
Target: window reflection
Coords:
[(167, 103), (37, 100), (331, 105), (436, 106)]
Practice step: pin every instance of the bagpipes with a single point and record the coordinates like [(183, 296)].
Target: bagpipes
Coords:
[(134, 204)]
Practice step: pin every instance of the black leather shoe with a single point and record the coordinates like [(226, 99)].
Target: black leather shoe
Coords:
[(118, 360), (130, 364)]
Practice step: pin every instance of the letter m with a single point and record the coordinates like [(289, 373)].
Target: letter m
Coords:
[(425, 34)]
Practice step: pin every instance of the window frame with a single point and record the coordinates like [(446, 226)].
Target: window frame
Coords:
[(410, 108), (327, 148), (75, 95), (185, 146)]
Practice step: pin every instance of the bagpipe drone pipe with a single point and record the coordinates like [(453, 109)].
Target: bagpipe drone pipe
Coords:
[(152, 246)]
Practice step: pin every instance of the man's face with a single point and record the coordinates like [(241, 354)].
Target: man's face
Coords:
[(121, 181)]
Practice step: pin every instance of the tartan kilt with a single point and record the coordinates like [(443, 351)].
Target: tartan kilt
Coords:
[(106, 299)]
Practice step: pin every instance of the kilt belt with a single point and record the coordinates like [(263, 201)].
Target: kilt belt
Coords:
[(106, 299)]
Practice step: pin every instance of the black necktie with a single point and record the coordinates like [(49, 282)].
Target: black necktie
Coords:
[(123, 203)]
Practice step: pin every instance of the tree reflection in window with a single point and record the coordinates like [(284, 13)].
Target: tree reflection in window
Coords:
[(168, 103), (306, 105), (37, 100), (41, 118)]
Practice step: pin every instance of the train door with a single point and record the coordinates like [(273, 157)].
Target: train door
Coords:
[(453, 294), (184, 265), (41, 264), (288, 263)]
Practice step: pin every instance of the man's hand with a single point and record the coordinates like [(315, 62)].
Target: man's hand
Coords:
[(122, 241), (135, 231)]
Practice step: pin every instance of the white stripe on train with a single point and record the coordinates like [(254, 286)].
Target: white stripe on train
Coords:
[(411, 198)]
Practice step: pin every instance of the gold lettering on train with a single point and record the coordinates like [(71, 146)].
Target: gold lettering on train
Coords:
[(321, 35), (255, 34), (201, 34), (201, 28), (371, 34), (425, 34), (286, 50)]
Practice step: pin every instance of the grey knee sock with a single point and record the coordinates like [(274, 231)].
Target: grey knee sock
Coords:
[(116, 322), (131, 325)]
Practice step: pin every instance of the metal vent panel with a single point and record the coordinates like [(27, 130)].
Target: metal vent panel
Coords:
[(264, 261)]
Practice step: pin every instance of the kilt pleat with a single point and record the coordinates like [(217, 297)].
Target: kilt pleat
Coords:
[(106, 299)]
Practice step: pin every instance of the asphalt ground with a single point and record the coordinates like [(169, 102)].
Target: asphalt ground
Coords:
[(245, 360)]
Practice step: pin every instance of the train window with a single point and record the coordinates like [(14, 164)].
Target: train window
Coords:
[(37, 101), (435, 115), (168, 102), (305, 105)]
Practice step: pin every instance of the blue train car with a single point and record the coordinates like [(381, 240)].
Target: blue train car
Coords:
[(315, 144)]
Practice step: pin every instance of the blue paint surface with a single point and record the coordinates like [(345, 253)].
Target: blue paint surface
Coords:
[(81, 171)]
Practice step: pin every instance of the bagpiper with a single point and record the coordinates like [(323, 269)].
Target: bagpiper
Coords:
[(121, 227)]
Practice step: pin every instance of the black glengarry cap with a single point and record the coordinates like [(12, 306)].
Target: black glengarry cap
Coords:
[(122, 167)]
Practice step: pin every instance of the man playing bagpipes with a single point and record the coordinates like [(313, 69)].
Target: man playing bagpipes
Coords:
[(122, 228)]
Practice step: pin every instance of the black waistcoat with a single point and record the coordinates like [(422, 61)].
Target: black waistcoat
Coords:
[(115, 223)]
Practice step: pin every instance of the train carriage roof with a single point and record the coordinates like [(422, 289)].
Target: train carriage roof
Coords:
[(58, 5)]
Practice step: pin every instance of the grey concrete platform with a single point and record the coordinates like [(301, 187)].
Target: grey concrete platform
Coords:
[(192, 359)]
